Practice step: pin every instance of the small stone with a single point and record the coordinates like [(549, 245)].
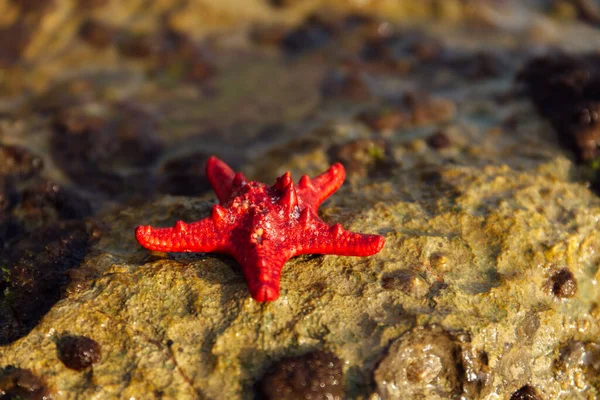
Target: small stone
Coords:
[(138, 46), (345, 84), (439, 140), (316, 31), (423, 363), (78, 352), (527, 392), (269, 35), (563, 284), (316, 376), (96, 33)]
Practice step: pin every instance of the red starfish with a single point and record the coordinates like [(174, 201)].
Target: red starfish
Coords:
[(263, 226)]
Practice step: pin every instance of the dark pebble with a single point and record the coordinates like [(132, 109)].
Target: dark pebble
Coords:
[(270, 35), (21, 384), (563, 284), (316, 31), (177, 49), (96, 33), (137, 46), (78, 352), (438, 141), (281, 3), (527, 392), (316, 376), (348, 84)]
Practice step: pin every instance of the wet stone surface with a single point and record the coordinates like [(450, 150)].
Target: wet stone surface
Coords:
[(94, 145), (17, 383), (565, 90)]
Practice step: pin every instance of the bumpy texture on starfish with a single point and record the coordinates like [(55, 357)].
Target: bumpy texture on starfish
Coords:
[(263, 226)]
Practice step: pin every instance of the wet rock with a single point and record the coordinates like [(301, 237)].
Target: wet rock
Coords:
[(96, 33), (171, 53), (8, 196), (63, 95), (364, 157), (421, 363), (35, 273), (33, 6), (316, 375), (477, 65), (347, 84), (16, 37), (407, 281), (9, 229), (281, 3), (49, 201), (563, 284), (579, 359), (177, 51), (18, 162), (411, 110), (400, 50), (137, 46), (439, 140), (316, 31), (565, 90), (184, 176), (527, 392), (78, 352), (94, 147), (476, 371), (18, 383), (268, 35), (92, 4)]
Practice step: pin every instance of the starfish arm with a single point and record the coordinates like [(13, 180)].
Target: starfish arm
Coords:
[(315, 191), (262, 267), (201, 236), (223, 179), (325, 239)]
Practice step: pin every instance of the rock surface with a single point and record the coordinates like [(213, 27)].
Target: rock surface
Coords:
[(487, 285)]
